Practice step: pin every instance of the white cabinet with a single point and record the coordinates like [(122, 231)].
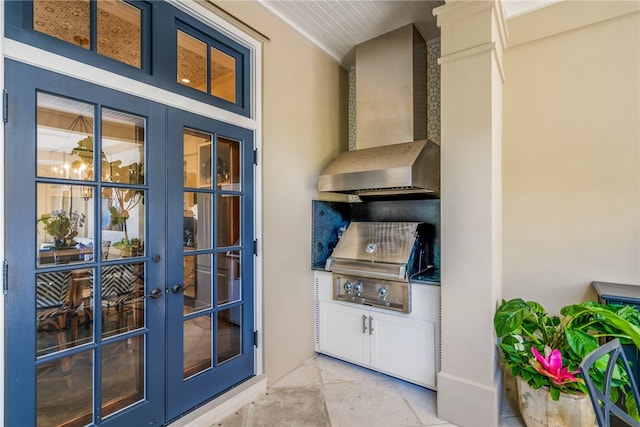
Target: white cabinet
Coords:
[(402, 345), (344, 332), (404, 348)]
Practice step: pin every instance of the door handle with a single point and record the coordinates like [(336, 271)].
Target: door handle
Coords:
[(364, 324), (177, 288), (155, 293), (370, 325)]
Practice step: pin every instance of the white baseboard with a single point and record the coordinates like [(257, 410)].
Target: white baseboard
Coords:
[(481, 402)]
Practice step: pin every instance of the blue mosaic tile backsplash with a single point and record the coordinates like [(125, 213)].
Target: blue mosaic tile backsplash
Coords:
[(329, 220)]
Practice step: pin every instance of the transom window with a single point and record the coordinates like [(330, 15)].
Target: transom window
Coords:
[(147, 40), (117, 26), (205, 68)]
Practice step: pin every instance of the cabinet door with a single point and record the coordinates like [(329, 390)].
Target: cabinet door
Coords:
[(344, 332), (405, 348)]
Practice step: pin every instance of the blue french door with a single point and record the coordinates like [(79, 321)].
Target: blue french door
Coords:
[(210, 233), (129, 231), (85, 302)]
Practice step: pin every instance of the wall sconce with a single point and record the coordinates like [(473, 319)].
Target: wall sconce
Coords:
[(86, 193)]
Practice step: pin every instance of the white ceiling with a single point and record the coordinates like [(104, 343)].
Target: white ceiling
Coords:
[(337, 26)]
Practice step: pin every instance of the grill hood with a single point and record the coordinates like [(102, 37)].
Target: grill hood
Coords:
[(384, 250), (390, 108), (398, 169)]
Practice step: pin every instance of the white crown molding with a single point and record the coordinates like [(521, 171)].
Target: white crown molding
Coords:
[(513, 8)]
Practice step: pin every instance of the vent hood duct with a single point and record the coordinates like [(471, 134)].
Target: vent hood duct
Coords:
[(391, 89), (391, 103), (390, 170)]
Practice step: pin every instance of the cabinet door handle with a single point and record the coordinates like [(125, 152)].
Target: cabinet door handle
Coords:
[(364, 324), (370, 325)]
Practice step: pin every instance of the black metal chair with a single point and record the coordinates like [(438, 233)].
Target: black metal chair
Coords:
[(601, 399)]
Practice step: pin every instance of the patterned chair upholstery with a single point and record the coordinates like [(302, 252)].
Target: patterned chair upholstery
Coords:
[(121, 290), (53, 309)]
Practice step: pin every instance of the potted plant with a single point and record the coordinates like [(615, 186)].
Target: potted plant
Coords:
[(125, 201), (62, 227), (129, 248), (544, 352)]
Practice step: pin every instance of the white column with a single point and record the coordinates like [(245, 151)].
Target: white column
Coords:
[(473, 36)]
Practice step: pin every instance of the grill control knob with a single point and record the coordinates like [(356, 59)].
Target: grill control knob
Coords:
[(348, 287), (358, 288), (382, 293)]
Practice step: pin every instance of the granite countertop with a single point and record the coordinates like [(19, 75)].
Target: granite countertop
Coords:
[(430, 277)]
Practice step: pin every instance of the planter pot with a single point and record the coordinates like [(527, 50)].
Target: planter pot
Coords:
[(65, 256), (539, 410), (126, 252)]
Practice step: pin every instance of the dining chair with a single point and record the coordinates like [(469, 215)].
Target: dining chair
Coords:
[(53, 309), (611, 355), (121, 290), (106, 244)]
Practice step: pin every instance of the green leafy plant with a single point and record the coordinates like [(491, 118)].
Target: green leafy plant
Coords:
[(546, 350), (114, 171), (131, 247), (62, 227), (126, 199)]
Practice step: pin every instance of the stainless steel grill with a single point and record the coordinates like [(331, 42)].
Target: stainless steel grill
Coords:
[(373, 261)]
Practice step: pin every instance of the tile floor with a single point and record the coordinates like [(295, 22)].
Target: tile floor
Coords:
[(329, 392)]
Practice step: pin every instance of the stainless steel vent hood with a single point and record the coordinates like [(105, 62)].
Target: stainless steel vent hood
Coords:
[(390, 110), (408, 168)]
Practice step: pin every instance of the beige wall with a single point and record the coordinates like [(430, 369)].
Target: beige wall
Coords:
[(304, 127), (571, 150)]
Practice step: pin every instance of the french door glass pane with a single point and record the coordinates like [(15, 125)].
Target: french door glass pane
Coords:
[(197, 283), (65, 229), (66, 20), (196, 221), (228, 212), (229, 277), (119, 31), (64, 391), (228, 165), (197, 345), (197, 159), (122, 298), (192, 62), (192, 228), (123, 145), (223, 75), (64, 309), (229, 334), (64, 138), (122, 374), (123, 222)]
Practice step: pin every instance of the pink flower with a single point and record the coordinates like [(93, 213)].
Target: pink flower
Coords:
[(551, 366)]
